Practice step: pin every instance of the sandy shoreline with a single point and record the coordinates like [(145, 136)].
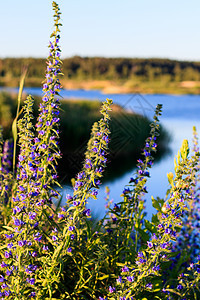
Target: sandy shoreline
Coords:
[(116, 86)]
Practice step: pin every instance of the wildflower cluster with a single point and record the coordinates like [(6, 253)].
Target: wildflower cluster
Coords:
[(154, 260), (125, 220), (49, 252), (88, 180), (24, 237)]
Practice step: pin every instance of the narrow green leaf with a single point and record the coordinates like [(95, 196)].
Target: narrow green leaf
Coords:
[(144, 235), (14, 125)]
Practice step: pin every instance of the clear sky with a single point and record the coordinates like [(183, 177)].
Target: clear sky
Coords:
[(111, 28)]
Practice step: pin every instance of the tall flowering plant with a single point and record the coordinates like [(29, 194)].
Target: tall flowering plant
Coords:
[(128, 215), (25, 240), (47, 126), (148, 275)]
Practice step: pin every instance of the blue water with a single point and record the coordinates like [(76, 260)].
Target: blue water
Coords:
[(180, 114), (175, 107)]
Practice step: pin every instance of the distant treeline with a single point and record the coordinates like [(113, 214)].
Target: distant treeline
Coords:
[(106, 68)]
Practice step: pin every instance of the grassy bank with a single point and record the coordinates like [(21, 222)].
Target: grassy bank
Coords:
[(128, 133)]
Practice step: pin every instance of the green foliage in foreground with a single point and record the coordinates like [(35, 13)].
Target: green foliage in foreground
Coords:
[(49, 252)]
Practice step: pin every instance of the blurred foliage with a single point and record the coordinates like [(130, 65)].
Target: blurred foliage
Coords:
[(76, 67), (7, 112)]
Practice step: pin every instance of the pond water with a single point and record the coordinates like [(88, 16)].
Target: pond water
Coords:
[(180, 114)]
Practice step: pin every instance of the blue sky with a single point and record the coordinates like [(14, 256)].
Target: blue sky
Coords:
[(112, 28)]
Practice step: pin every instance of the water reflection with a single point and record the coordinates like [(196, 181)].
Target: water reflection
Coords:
[(117, 166)]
